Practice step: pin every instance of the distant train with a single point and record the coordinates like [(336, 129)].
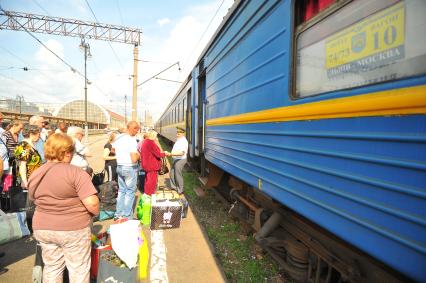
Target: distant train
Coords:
[(309, 116)]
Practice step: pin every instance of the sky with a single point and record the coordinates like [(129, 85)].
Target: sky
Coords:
[(172, 31)]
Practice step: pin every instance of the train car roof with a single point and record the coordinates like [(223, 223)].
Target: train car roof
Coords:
[(219, 29)]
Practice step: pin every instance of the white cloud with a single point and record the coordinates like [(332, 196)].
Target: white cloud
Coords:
[(46, 57), (163, 21), (182, 44)]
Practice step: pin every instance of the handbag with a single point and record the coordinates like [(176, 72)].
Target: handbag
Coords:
[(18, 199), (164, 169), (98, 178), (7, 182)]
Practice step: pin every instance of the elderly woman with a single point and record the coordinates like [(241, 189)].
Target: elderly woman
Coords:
[(26, 154), (81, 151), (151, 162), (66, 201), (10, 136)]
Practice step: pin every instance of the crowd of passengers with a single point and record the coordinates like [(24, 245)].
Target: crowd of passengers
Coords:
[(52, 166)]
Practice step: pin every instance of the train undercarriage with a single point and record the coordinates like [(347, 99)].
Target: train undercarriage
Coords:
[(303, 250)]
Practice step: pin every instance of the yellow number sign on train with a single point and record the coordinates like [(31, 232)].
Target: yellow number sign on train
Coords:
[(377, 40)]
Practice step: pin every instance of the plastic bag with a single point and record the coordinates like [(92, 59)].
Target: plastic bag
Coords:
[(125, 241)]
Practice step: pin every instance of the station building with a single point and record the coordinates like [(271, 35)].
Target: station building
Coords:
[(97, 116)]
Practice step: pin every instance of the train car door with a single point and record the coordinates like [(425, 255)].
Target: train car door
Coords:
[(188, 116), (201, 117), (193, 149)]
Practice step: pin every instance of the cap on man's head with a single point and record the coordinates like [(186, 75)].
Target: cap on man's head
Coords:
[(180, 130)]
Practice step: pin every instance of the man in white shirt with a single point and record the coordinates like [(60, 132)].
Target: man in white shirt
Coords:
[(127, 156), (81, 151), (179, 152), (43, 131)]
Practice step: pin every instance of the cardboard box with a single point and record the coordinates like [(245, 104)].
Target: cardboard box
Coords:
[(166, 214)]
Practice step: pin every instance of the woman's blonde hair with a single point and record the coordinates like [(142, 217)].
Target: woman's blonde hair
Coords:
[(111, 137), (152, 135), (57, 145)]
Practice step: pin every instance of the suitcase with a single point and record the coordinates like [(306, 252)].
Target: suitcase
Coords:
[(165, 214), (164, 194)]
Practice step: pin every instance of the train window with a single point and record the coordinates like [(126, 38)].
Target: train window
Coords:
[(173, 115), (184, 108), (179, 112), (359, 43)]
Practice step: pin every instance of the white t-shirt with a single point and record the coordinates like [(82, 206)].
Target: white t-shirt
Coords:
[(78, 159), (4, 156), (124, 144), (43, 134), (180, 145)]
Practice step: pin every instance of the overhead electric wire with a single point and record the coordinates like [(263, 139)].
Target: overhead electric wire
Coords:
[(30, 69), (110, 45), (158, 62), (44, 45), (4, 98), (173, 81), (26, 64), (14, 55), (44, 10), (25, 84), (211, 20), (56, 55), (119, 12)]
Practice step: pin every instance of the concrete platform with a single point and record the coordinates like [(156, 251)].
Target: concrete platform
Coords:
[(176, 255)]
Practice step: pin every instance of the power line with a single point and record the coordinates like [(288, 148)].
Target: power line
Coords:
[(44, 45), (62, 60), (158, 62), (14, 55), (109, 43), (30, 69), (25, 84), (25, 63), (56, 55), (163, 79), (72, 68), (190, 54), (119, 12), (44, 10)]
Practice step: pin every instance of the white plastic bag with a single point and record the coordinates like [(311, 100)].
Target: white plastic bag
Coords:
[(125, 241)]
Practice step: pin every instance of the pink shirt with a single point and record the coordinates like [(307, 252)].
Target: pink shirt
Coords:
[(58, 197)]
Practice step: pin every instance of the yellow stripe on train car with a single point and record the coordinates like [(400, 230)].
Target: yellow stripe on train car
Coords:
[(405, 101)]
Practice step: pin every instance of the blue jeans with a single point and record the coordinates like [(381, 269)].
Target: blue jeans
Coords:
[(127, 180)]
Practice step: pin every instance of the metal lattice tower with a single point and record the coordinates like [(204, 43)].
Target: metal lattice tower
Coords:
[(76, 28)]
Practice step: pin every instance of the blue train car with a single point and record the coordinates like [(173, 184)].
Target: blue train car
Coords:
[(320, 105)]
